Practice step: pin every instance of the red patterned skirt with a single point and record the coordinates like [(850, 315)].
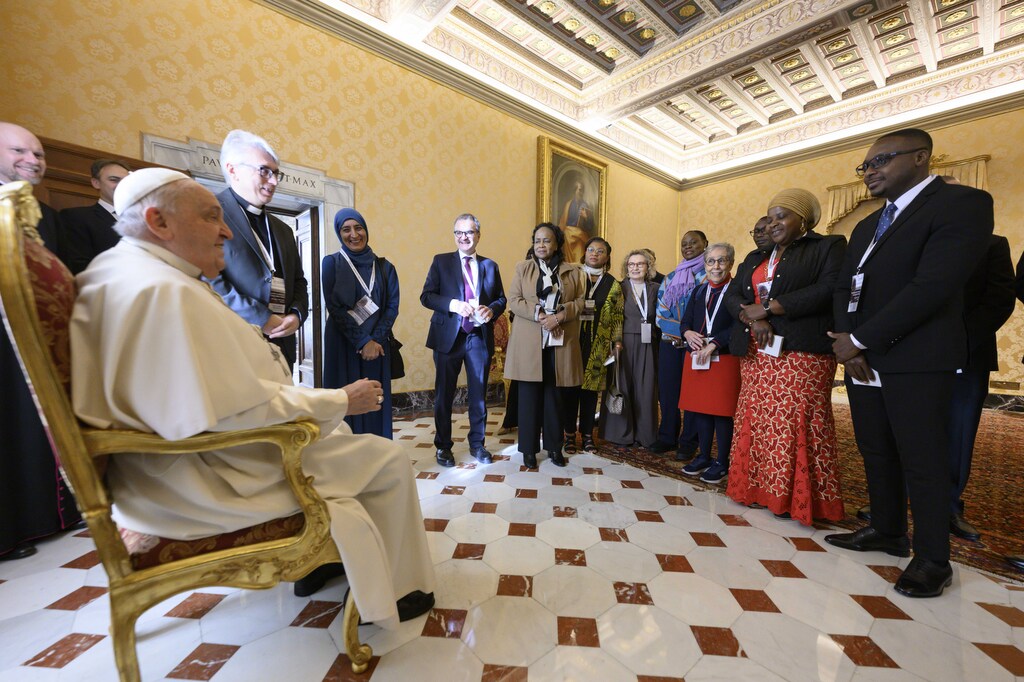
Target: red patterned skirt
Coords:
[(784, 452)]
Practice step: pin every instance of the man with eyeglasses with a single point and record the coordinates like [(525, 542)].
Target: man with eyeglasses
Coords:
[(465, 292), (262, 278), (762, 240), (900, 334)]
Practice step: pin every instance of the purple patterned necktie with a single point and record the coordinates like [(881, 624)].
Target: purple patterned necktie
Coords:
[(885, 220), (467, 290)]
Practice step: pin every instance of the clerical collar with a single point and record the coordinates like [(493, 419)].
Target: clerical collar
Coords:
[(255, 210), (163, 254), (108, 207)]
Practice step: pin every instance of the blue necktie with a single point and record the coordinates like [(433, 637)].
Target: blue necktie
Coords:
[(885, 220)]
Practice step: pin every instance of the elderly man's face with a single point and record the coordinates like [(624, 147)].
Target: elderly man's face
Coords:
[(196, 230), (247, 176), (21, 155), (106, 183)]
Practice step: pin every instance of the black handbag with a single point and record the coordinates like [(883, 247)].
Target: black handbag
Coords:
[(394, 349)]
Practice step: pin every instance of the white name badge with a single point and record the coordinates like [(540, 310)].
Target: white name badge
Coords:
[(610, 360), (774, 348), (696, 363), (588, 311), (363, 310), (856, 285), (554, 340), (645, 332), (277, 300)]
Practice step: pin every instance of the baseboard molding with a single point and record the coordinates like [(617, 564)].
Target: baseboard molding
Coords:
[(415, 404)]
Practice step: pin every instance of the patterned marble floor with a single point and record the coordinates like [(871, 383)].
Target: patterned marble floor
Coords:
[(595, 572)]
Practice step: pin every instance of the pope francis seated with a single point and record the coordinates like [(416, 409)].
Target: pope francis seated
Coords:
[(155, 349)]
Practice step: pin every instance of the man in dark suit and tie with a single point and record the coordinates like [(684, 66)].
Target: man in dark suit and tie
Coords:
[(262, 278), (899, 322), (89, 230), (464, 290)]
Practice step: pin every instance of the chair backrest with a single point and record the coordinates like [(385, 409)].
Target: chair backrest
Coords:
[(37, 294)]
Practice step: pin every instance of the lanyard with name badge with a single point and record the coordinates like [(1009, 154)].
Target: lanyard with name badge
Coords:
[(589, 306), (365, 306), (857, 281), (277, 298), (645, 326)]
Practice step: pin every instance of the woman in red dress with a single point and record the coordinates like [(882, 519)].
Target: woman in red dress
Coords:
[(784, 452)]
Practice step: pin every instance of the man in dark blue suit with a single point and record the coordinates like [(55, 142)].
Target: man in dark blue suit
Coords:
[(89, 230), (464, 290), (262, 279), (899, 319)]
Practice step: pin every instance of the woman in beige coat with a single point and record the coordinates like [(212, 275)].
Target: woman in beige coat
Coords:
[(546, 297)]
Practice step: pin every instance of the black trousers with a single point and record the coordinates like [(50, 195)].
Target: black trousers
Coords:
[(540, 402), (577, 401), (902, 433), (969, 392)]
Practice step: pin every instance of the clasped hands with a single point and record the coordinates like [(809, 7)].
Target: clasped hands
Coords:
[(551, 322), (702, 348), (756, 317), (482, 312), (853, 360)]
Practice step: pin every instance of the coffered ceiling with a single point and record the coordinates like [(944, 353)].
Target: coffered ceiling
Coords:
[(693, 88)]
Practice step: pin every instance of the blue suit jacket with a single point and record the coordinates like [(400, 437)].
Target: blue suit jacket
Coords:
[(444, 283)]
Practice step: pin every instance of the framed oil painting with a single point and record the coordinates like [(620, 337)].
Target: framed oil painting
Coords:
[(571, 190)]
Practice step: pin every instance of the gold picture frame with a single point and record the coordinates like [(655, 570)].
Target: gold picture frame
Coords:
[(571, 192)]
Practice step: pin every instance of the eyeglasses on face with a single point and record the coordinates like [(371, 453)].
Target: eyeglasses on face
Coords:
[(882, 160), (636, 266), (596, 249), (722, 260), (758, 230), (265, 172), (465, 233)]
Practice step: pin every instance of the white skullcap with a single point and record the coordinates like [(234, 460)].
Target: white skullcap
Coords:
[(139, 183)]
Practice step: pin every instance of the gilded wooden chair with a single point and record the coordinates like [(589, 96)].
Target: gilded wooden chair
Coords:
[(37, 294)]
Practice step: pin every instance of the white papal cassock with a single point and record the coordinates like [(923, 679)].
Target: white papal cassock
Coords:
[(153, 348)]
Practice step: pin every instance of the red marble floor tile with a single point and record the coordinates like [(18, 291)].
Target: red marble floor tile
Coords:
[(561, 481), (515, 586), (632, 593), (504, 673), (84, 534), (716, 641), (468, 550), (633, 484), (863, 651), (658, 678), (422, 426), (453, 490), (501, 458), (782, 569), (564, 512), (406, 437), (424, 445), (593, 470), (435, 525), (427, 475), (1006, 655), (341, 670), (652, 516), (317, 614), (1013, 617), (86, 561), (888, 573), (463, 427), (506, 441), (484, 508), (466, 465), (526, 530), (674, 563), (613, 534), (204, 662), (733, 520), (494, 478), (570, 557), (754, 600), (677, 501), (64, 650), (880, 607), (601, 497), (445, 623), (526, 493), (707, 539), (578, 632), (78, 598), (195, 606), (806, 544)]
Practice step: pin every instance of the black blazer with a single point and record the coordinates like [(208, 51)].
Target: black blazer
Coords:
[(910, 314), (721, 326), (988, 304), (444, 283), (803, 284), (51, 230), (244, 284), (88, 232)]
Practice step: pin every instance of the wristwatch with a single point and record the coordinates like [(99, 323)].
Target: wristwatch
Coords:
[(767, 305)]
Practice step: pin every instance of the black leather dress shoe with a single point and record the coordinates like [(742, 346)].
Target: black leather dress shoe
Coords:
[(924, 578), (445, 457), (660, 448), (530, 461), (317, 579), (482, 455), (864, 513), (1016, 560), (19, 552), (414, 604), (962, 528), (870, 540), (685, 454), (557, 459)]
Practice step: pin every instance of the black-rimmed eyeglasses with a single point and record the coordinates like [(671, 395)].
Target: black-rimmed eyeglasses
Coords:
[(882, 160), (265, 172), (465, 233)]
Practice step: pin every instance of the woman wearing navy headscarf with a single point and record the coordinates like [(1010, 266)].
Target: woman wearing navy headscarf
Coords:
[(361, 293)]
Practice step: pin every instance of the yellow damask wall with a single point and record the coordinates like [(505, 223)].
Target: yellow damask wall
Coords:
[(101, 74), (727, 210)]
